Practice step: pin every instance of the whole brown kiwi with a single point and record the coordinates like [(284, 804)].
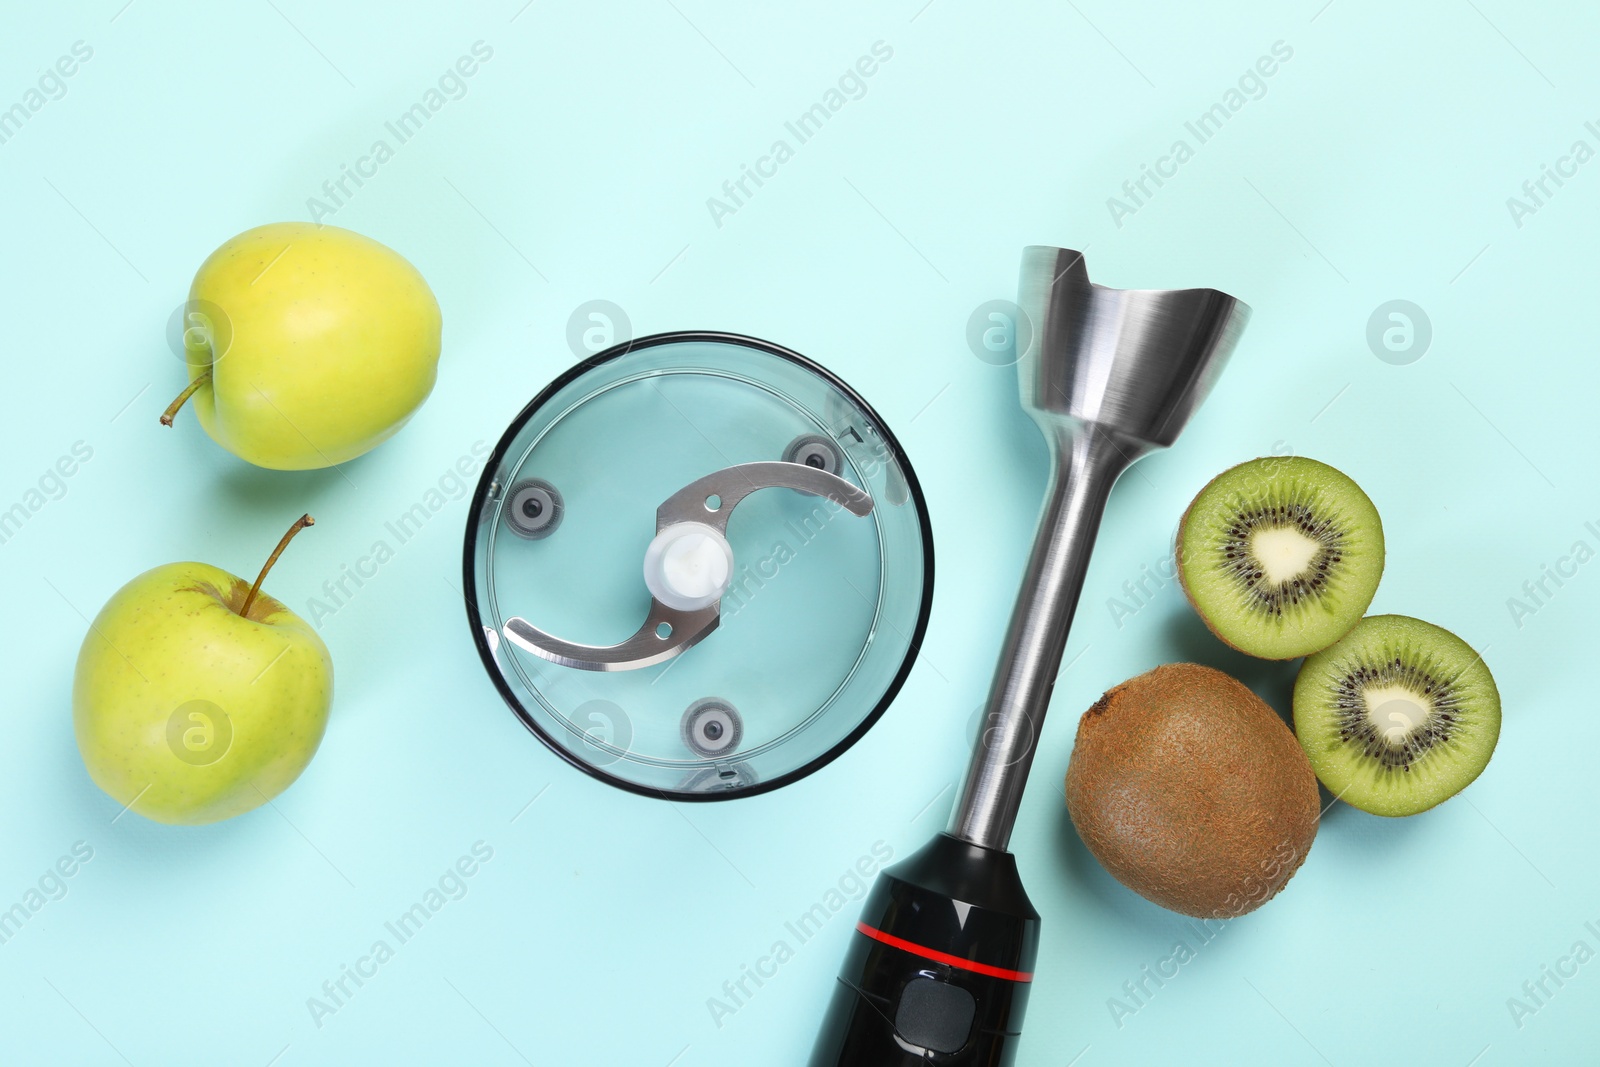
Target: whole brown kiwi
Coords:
[(1192, 792)]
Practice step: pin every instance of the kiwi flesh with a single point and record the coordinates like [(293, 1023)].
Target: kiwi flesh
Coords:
[(1280, 556), (1398, 716), (1192, 792)]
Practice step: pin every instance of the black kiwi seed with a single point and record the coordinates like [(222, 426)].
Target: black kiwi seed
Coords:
[(1274, 597)]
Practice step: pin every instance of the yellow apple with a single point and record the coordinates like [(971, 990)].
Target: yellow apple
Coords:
[(315, 345), (196, 696)]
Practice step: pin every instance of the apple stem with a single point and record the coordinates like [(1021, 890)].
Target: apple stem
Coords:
[(299, 524), (204, 378)]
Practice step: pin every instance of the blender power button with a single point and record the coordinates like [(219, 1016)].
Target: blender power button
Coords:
[(935, 1015)]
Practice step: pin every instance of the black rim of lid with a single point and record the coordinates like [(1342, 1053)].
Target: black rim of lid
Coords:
[(480, 495)]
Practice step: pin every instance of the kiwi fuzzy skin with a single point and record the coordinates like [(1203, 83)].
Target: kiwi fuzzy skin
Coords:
[(1192, 792)]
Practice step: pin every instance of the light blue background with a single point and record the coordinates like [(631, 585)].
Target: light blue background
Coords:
[(577, 166)]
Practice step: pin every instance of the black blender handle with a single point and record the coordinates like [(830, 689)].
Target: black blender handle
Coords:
[(938, 968)]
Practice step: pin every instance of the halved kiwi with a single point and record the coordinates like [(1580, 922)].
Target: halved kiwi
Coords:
[(1280, 556), (1398, 716)]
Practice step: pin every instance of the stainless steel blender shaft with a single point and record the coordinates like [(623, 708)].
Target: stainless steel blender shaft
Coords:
[(1086, 467), (942, 959), (1110, 375)]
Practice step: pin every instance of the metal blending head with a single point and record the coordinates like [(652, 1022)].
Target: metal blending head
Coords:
[(1112, 374), (939, 968)]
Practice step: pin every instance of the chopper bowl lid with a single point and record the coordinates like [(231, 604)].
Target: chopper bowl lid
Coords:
[(823, 608)]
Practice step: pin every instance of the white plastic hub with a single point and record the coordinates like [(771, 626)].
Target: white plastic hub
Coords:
[(688, 566)]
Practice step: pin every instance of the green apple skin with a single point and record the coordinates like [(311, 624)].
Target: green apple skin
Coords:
[(174, 635), (333, 345)]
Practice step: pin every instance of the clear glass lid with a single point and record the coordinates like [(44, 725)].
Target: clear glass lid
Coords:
[(698, 566)]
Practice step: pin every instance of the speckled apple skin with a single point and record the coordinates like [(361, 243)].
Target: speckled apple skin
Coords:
[(168, 637), (333, 344)]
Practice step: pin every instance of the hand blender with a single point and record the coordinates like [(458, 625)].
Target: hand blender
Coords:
[(938, 969)]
